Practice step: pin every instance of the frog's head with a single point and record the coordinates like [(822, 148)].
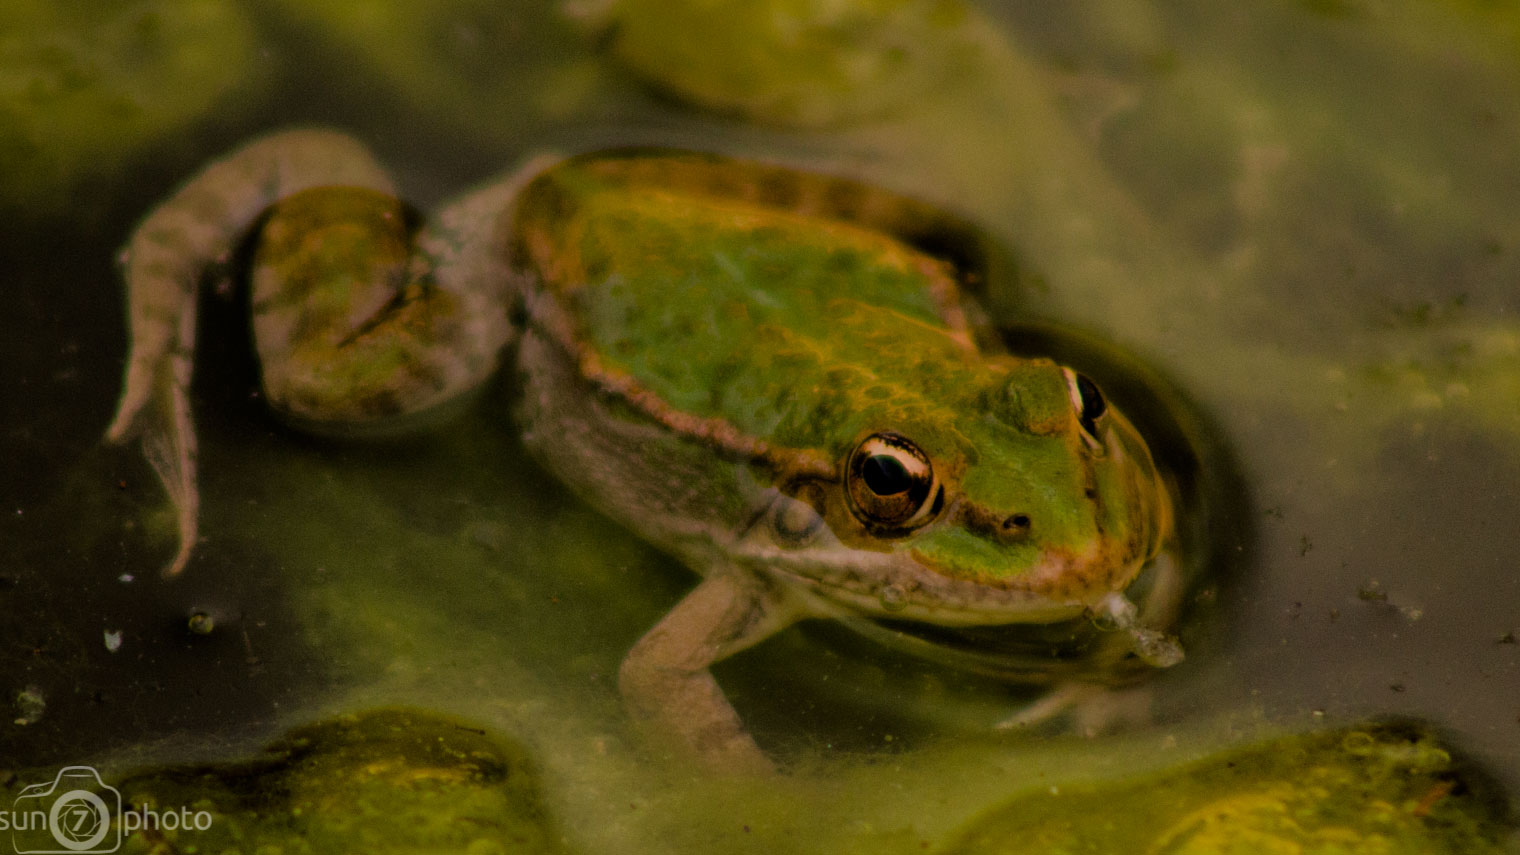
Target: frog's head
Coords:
[(1029, 497)]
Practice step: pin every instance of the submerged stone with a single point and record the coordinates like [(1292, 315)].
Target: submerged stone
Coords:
[(84, 86), (795, 62), (384, 781), (1380, 789)]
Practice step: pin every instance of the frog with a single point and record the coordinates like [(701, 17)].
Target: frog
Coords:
[(779, 377)]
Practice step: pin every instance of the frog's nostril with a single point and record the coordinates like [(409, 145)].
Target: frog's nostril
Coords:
[(1016, 525)]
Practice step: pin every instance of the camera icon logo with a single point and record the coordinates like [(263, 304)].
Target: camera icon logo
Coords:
[(76, 808)]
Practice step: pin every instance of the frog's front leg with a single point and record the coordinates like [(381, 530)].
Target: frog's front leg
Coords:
[(666, 681)]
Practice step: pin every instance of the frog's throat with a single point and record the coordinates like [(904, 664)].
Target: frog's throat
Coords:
[(720, 434)]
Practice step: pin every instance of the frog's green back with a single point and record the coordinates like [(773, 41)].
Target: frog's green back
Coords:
[(764, 317)]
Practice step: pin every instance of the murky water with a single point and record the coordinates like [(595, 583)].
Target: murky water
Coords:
[(1303, 216)]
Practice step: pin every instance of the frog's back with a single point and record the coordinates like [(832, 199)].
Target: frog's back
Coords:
[(749, 293)]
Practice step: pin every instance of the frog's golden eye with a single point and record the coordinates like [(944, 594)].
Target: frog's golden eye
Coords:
[(891, 484), (1087, 401)]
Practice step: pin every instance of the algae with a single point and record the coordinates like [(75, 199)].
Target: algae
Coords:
[(1369, 790), (86, 87)]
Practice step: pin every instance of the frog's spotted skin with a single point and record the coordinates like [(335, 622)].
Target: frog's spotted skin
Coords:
[(759, 370)]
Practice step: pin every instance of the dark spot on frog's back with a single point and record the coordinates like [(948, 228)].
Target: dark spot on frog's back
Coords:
[(595, 269), (547, 199), (381, 404), (778, 189), (714, 179), (846, 199)]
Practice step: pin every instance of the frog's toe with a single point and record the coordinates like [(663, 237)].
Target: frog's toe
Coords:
[(131, 409), (1049, 707), (161, 423), (1110, 710), (1091, 709)]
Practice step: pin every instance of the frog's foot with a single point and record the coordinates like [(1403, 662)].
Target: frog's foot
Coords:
[(665, 679), (1092, 709)]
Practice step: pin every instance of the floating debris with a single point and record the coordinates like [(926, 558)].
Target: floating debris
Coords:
[(202, 623), (1372, 592), (30, 704)]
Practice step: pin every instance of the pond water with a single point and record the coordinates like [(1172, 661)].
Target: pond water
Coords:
[(1303, 216)]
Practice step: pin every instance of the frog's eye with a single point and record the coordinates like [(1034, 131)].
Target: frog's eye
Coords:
[(891, 484), (1087, 401)]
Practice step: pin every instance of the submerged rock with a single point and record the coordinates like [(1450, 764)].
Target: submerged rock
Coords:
[(793, 62), (385, 781), (1374, 790), (83, 86)]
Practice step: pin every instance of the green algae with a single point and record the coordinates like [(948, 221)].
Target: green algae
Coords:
[(488, 71), (794, 62), (380, 781), (1372, 790), (86, 86)]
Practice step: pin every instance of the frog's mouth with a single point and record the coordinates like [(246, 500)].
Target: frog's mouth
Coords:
[(903, 586), (1021, 653), (1119, 647)]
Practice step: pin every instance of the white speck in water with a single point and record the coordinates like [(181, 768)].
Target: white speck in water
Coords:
[(113, 640), (126, 578), (1372, 592)]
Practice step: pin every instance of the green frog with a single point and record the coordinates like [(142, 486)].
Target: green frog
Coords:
[(774, 375)]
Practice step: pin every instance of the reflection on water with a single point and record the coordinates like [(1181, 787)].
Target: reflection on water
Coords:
[(1300, 214)]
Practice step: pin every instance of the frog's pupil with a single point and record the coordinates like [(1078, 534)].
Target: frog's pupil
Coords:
[(885, 475)]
